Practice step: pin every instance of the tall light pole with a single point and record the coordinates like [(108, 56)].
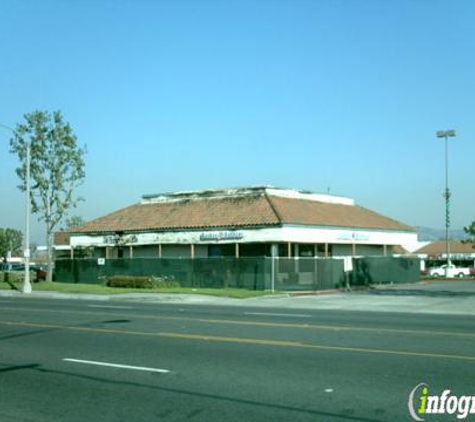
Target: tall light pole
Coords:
[(26, 250), (447, 134)]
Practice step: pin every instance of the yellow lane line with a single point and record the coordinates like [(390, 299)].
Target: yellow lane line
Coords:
[(338, 328), (238, 340), (260, 323), (315, 346)]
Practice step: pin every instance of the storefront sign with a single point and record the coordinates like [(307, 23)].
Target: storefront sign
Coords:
[(217, 236), (353, 236)]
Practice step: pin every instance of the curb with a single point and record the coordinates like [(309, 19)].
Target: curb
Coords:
[(317, 293)]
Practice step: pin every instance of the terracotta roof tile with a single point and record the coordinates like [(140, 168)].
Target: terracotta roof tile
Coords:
[(61, 238), (399, 250), (244, 211), (456, 246), (191, 214), (300, 211)]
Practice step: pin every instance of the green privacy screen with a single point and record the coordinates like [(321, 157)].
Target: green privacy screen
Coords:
[(248, 273), (368, 271), (308, 274)]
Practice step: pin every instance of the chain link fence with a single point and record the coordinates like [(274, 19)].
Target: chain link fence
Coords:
[(284, 274)]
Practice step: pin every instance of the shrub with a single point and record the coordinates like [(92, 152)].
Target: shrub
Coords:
[(127, 281), (141, 282), (15, 277), (163, 282)]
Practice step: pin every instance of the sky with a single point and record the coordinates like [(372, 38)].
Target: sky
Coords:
[(339, 96)]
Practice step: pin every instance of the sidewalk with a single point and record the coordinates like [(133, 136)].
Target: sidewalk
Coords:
[(456, 298)]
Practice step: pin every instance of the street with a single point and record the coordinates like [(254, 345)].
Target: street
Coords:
[(77, 360)]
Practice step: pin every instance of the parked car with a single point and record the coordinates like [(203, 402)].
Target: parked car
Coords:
[(449, 271), (12, 267), (40, 272)]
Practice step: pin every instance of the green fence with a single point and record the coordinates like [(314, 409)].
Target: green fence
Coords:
[(368, 271), (308, 274), (247, 273)]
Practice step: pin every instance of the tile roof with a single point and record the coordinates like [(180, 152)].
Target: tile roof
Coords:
[(61, 238), (300, 211), (188, 214), (242, 211), (400, 250), (436, 248)]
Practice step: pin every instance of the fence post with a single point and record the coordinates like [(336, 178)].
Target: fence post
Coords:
[(273, 253), (347, 268), (315, 269)]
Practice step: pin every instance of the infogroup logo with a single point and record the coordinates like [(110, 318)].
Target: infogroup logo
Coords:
[(421, 403)]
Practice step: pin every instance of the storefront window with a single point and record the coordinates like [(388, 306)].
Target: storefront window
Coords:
[(254, 249), (306, 251), (217, 251), (284, 250), (321, 250)]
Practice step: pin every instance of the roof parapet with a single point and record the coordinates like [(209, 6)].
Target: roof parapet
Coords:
[(310, 196), (250, 191)]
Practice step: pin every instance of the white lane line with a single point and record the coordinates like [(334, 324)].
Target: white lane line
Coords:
[(110, 306), (284, 315), (116, 365)]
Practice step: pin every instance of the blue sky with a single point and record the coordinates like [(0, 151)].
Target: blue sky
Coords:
[(177, 95)]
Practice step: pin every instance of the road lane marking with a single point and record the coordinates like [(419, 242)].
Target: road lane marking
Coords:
[(335, 328), (280, 343), (239, 340), (282, 315), (116, 365), (110, 307)]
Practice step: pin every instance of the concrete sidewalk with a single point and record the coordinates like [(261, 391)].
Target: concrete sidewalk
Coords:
[(430, 298)]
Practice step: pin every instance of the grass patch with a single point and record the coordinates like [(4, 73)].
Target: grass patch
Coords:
[(10, 286), (101, 289), (467, 278)]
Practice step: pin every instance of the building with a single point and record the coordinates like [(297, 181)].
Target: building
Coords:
[(435, 253), (241, 222), (61, 248)]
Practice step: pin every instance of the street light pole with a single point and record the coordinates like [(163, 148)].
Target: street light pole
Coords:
[(26, 250), (27, 283), (446, 134)]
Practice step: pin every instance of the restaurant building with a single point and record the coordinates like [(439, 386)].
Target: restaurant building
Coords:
[(241, 222), (434, 254)]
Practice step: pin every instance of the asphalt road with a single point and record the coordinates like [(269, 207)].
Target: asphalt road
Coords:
[(211, 363)]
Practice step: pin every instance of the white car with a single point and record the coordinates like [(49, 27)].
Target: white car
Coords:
[(449, 271)]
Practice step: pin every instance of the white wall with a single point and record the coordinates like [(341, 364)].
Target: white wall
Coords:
[(294, 234)]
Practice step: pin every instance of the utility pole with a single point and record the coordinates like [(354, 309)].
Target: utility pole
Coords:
[(447, 195), (26, 249)]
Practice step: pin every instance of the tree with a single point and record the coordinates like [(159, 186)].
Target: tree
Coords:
[(11, 240), (470, 230), (73, 222), (57, 168)]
